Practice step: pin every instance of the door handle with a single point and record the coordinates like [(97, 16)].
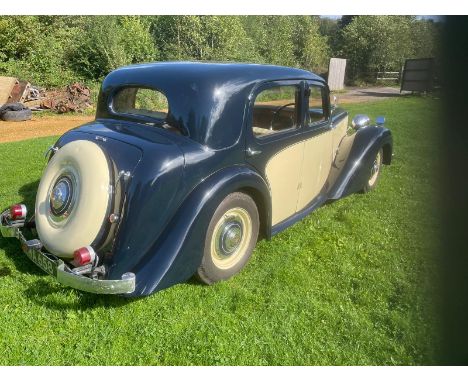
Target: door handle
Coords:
[(251, 152)]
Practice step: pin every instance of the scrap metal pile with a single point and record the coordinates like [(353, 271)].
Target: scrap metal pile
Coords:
[(74, 97), (71, 98)]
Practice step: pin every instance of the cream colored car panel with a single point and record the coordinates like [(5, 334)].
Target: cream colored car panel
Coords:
[(315, 167), (89, 165), (294, 180), (339, 131), (283, 172)]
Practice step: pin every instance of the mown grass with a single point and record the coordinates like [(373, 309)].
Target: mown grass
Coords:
[(353, 283)]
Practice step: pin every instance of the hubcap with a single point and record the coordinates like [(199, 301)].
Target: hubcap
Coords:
[(231, 238), (61, 196)]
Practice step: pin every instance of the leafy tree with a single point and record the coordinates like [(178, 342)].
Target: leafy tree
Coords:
[(33, 48), (311, 48), (107, 42), (328, 27), (55, 50), (272, 36), (345, 20), (377, 43), (203, 38), (426, 36), (18, 36)]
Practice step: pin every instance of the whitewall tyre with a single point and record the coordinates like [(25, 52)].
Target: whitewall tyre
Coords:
[(375, 171), (230, 239), (73, 198)]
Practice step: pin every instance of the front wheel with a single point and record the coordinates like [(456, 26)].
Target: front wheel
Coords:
[(230, 238), (374, 172)]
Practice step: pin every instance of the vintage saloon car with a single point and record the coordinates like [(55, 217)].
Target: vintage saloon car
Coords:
[(185, 167)]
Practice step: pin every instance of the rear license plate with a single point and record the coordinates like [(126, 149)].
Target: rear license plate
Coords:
[(42, 261)]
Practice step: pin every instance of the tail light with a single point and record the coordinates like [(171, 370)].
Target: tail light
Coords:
[(18, 212), (84, 256)]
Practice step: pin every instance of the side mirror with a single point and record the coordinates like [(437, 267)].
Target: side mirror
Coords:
[(360, 121), (334, 104)]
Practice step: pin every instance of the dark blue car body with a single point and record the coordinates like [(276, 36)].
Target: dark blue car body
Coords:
[(176, 181)]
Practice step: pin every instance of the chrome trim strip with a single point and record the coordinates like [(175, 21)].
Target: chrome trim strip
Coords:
[(57, 268)]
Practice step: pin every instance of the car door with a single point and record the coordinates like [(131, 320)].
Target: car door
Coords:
[(274, 143), (318, 144)]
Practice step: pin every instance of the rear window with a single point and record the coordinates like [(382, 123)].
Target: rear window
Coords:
[(141, 101)]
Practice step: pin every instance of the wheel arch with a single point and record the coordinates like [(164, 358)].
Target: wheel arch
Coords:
[(359, 150), (263, 208), (176, 256), (387, 153)]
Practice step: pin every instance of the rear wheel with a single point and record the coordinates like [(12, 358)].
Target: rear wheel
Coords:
[(374, 172), (230, 238)]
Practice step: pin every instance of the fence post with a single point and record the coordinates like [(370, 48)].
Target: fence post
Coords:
[(336, 73)]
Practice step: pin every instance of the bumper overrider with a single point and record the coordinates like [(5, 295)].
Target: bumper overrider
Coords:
[(58, 268)]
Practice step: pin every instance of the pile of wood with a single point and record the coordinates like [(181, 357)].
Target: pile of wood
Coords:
[(71, 98)]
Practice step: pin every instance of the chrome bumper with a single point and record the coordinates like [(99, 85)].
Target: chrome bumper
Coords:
[(57, 268)]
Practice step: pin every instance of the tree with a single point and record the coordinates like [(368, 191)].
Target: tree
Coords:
[(203, 38), (34, 48), (18, 36), (311, 48), (107, 42), (273, 38), (55, 50), (426, 38), (376, 43)]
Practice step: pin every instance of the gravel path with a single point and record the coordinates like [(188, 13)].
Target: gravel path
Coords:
[(355, 95)]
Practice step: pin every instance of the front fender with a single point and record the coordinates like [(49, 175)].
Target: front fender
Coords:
[(355, 155), (176, 256)]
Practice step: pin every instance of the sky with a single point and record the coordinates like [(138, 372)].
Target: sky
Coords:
[(431, 17)]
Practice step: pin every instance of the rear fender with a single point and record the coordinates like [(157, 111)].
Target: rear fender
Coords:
[(176, 256)]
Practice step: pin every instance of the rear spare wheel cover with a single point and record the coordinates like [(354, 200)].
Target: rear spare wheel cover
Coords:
[(73, 198)]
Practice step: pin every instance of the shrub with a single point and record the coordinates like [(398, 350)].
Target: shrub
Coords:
[(108, 42)]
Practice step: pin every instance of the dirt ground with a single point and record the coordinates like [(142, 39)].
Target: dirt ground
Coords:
[(354, 95), (57, 125), (40, 127)]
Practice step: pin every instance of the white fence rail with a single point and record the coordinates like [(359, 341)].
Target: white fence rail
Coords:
[(389, 76)]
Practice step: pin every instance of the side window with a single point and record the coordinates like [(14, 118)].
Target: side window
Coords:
[(316, 107), (141, 101), (275, 110)]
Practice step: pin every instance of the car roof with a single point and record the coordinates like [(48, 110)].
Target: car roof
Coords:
[(217, 71), (206, 99)]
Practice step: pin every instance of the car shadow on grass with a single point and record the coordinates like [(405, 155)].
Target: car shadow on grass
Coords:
[(54, 296)]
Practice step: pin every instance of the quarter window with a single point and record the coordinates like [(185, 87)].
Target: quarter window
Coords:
[(275, 110), (316, 108), (141, 101)]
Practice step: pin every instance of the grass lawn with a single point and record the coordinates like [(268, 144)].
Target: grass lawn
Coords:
[(350, 284)]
